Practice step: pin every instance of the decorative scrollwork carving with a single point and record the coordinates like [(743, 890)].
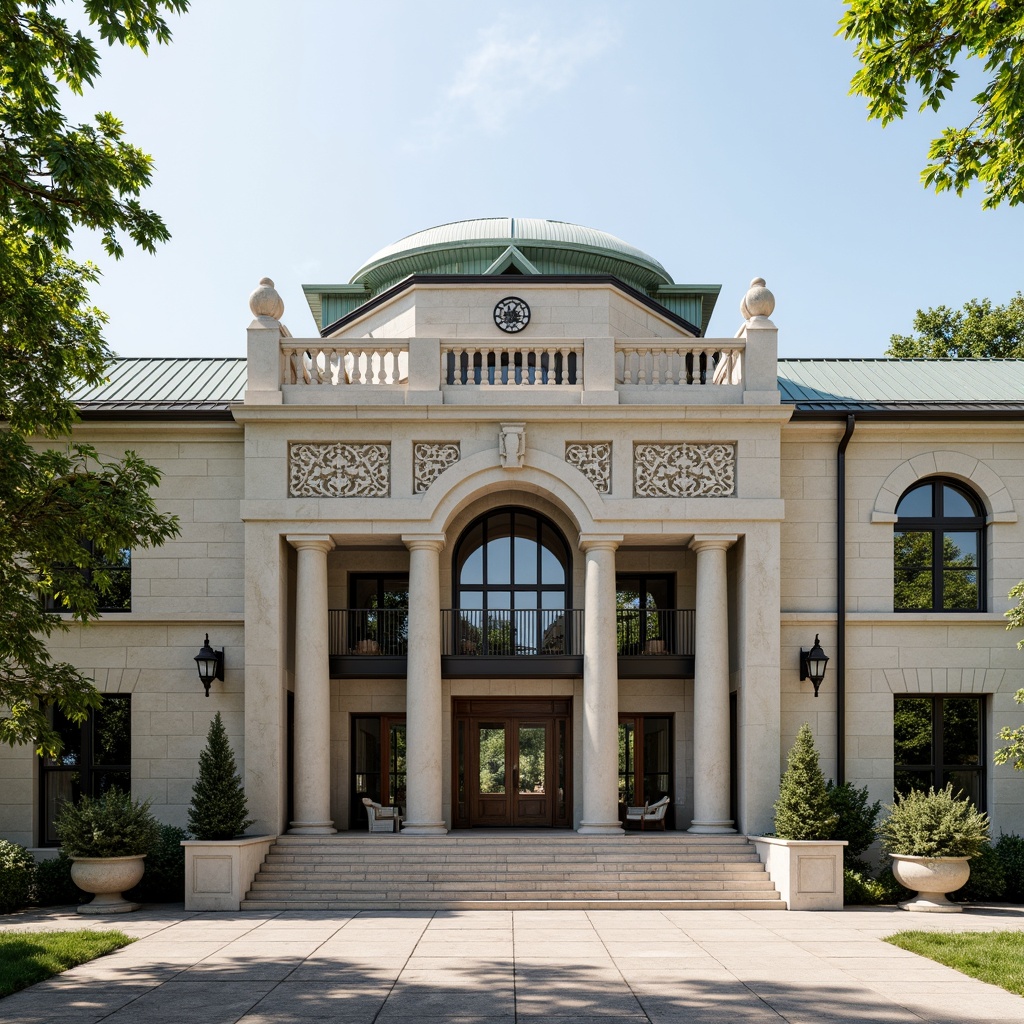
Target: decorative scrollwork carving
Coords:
[(594, 460), (684, 470), (512, 445), (338, 470), (429, 460)]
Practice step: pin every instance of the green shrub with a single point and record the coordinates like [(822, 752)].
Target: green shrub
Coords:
[(859, 888), (933, 824), (53, 882), (164, 880), (988, 879), (218, 809), (113, 825), (17, 874), (1010, 851), (803, 810), (857, 819)]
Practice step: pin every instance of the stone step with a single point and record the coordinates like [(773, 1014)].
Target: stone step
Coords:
[(769, 902), (621, 879)]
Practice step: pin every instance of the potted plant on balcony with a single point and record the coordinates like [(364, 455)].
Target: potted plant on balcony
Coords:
[(931, 838), (107, 840)]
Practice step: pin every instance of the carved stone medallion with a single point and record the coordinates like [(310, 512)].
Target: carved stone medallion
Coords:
[(684, 470), (594, 460), (338, 470), (429, 460)]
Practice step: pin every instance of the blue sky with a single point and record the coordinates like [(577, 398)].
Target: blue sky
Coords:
[(295, 139)]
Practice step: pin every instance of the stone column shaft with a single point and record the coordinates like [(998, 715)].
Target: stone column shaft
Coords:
[(600, 691), (312, 746), (423, 816), (711, 688)]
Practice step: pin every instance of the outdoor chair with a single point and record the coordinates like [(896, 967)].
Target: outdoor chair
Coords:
[(654, 813), (382, 819)]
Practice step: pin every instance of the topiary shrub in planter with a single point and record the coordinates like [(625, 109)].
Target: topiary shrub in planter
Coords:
[(218, 809), (17, 875), (930, 838), (804, 810), (802, 858), (107, 839)]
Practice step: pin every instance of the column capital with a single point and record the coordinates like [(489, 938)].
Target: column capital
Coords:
[(599, 541), (317, 541), (428, 541), (713, 541)]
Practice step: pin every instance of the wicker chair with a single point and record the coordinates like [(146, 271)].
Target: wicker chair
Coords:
[(382, 819), (654, 813)]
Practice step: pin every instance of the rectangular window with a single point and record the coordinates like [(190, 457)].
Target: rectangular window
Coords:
[(939, 740), (96, 757), (645, 614), (378, 617), (111, 580), (378, 764), (645, 759)]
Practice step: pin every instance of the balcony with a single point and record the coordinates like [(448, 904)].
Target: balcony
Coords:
[(374, 643)]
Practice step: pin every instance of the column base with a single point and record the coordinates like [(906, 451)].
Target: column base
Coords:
[(424, 828), (312, 828), (600, 828), (711, 827)]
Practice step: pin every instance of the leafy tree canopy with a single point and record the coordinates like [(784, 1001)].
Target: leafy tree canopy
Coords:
[(920, 43), (978, 331), (56, 177)]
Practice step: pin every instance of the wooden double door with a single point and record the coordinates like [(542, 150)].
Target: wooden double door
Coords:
[(512, 763)]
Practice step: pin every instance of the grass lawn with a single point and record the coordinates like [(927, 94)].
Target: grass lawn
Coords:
[(28, 957), (995, 957)]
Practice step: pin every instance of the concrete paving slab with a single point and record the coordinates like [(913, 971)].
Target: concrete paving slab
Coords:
[(486, 967)]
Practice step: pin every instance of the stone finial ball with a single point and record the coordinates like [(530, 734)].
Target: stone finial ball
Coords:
[(758, 301), (265, 301)]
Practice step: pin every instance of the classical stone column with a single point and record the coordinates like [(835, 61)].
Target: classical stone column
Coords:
[(600, 690), (711, 688), (423, 815), (312, 768)]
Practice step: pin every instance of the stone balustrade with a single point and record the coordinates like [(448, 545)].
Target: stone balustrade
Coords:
[(671, 362), (555, 362), (364, 362)]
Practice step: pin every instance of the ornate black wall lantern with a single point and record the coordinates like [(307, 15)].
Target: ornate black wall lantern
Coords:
[(812, 664), (210, 664)]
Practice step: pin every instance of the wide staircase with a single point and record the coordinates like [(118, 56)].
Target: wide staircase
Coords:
[(523, 871)]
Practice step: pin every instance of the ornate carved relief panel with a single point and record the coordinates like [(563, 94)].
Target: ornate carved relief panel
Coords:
[(429, 460), (594, 460), (684, 470), (338, 470)]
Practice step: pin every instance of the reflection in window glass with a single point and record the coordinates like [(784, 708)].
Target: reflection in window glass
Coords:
[(916, 503), (491, 753)]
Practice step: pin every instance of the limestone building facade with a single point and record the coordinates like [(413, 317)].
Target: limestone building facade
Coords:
[(511, 542)]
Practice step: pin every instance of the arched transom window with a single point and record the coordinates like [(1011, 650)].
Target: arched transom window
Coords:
[(938, 549), (512, 584)]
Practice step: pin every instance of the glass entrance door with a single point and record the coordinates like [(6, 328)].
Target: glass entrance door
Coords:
[(511, 769)]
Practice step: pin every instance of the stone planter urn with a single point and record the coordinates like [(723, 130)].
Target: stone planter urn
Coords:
[(931, 878), (107, 878)]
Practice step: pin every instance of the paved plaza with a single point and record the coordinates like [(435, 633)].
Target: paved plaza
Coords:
[(496, 967)]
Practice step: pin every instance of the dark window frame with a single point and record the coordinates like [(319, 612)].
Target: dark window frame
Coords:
[(387, 772), (90, 772), (937, 525), (937, 765), (638, 771), (103, 606)]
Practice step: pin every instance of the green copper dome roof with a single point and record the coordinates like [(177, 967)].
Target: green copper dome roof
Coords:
[(474, 246)]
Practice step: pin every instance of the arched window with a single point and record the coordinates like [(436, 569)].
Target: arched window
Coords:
[(938, 549), (512, 585)]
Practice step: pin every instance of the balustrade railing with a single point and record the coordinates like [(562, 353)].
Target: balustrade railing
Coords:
[(669, 362), (654, 631), (369, 631), (355, 362), (542, 364)]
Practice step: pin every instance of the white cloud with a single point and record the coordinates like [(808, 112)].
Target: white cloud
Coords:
[(509, 71)]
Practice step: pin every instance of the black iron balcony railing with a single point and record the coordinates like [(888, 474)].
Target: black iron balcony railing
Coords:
[(504, 634), (375, 642), (647, 632)]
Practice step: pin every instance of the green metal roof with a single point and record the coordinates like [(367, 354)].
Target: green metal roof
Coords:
[(824, 384), (559, 246), (187, 386)]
